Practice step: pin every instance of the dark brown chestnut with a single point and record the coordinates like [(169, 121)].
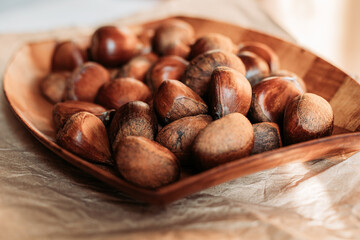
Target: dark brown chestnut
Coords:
[(146, 163), (229, 92), (179, 135), (119, 91), (67, 56), (307, 117), (134, 118), (174, 100), (53, 86), (266, 137), (256, 67), (224, 140), (198, 73)]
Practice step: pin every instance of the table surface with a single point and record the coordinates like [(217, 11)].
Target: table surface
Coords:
[(44, 197)]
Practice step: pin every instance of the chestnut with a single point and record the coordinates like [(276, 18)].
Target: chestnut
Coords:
[(256, 67), (266, 137), (212, 41), (174, 100), (53, 86), (85, 135), (269, 99), (145, 37), (167, 67), (179, 135), (173, 37), (146, 163), (85, 82), (290, 76), (112, 46), (224, 140), (307, 117), (119, 91), (198, 72), (229, 92), (134, 118), (67, 56)]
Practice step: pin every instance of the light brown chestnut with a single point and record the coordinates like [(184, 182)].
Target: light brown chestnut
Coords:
[(266, 137), (85, 135), (146, 163), (112, 46), (119, 91), (53, 86), (67, 56), (263, 51), (173, 37), (269, 99), (224, 140), (64, 110), (229, 92), (174, 100), (167, 67), (256, 67), (85, 81), (307, 117), (137, 67), (198, 72), (134, 118), (179, 135), (212, 41), (145, 37), (290, 76)]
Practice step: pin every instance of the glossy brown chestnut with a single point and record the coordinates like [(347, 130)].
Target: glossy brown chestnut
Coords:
[(263, 51), (198, 72), (179, 135), (307, 117), (67, 56), (53, 86), (266, 137), (85, 81), (112, 46), (256, 67), (145, 37), (224, 140), (269, 99), (85, 135), (174, 100), (212, 41), (64, 110), (146, 163), (119, 91), (290, 76), (229, 92), (134, 118), (167, 67), (173, 37)]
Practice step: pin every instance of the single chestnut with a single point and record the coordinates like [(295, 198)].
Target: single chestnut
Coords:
[(145, 37), (229, 92), (85, 135), (290, 76), (67, 56), (179, 135), (224, 140), (146, 163), (307, 117), (85, 81), (269, 99), (112, 46), (266, 137), (256, 67), (119, 91), (198, 73), (53, 86), (173, 37), (167, 67), (212, 41), (134, 118), (174, 100)]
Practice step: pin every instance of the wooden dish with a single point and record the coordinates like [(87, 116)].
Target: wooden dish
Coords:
[(32, 62)]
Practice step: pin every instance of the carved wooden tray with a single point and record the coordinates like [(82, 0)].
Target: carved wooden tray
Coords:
[(32, 62)]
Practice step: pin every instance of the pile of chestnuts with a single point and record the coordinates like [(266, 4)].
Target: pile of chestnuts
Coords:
[(154, 103)]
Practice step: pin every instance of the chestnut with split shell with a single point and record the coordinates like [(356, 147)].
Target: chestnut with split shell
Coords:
[(266, 137)]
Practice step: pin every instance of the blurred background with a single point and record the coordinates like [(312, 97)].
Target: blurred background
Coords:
[(329, 28)]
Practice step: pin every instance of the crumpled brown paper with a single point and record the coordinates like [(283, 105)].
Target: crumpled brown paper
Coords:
[(44, 197)]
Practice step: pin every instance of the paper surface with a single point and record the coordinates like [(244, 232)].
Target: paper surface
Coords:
[(44, 197)]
